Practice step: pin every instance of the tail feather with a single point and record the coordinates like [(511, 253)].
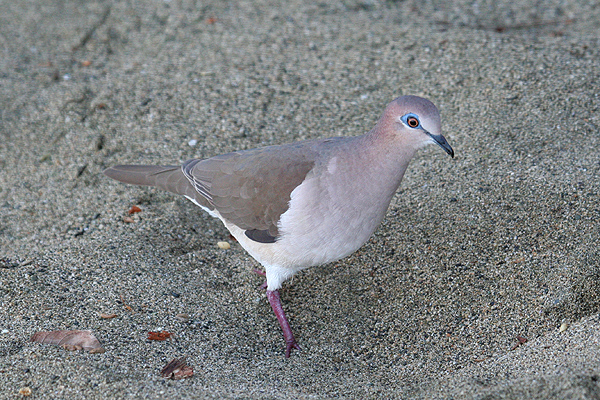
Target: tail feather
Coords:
[(167, 177)]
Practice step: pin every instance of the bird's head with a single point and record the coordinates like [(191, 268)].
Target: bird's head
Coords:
[(417, 121)]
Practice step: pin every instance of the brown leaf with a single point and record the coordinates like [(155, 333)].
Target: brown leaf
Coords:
[(86, 63), (128, 308), (107, 316), (177, 369), (521, 340), (134, 209), (211, 20), (162, 335), (70, 340)]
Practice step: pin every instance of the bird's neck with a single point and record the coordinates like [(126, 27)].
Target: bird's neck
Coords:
[(384, 162), (393, 152)]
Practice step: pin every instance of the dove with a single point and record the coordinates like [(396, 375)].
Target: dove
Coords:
[(303, 204)]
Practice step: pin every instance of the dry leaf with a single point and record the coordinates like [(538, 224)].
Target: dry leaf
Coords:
[(107, 316), (177, 369), (211, 20), (134, 209), (70, 340), (521, 340), (162, 335), (86, 63), (25, 391), (128, 308)]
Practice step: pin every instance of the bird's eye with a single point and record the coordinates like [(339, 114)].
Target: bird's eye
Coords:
[(412, 122)]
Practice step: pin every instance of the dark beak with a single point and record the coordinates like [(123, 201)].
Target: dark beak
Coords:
[(439, 139)]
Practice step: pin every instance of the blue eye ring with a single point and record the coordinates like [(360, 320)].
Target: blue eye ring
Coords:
[(411, 120)]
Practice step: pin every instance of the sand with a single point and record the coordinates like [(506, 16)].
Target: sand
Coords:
[(499, 243)]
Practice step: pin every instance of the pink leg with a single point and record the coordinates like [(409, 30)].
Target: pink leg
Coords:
[(259, 272), (290, 341)]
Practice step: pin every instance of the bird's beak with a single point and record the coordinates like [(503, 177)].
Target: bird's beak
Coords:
[(439, 139)]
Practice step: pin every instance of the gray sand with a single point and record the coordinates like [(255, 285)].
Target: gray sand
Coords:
[(500, 242)]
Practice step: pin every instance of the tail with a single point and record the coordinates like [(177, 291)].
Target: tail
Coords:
[(168, 177)]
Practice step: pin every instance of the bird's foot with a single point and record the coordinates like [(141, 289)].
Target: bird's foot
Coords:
[(289, 346), (290, 341)]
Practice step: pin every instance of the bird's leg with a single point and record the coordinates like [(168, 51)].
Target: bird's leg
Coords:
[(275, 301), (290, 341), (259, 272)]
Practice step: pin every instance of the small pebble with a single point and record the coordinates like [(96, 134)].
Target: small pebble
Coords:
[(107, 316), (98, 350), (182, 317), (192, 142), (223, 245), (563, 327)]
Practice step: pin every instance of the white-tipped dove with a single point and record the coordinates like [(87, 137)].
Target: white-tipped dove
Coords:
[(303, 204)]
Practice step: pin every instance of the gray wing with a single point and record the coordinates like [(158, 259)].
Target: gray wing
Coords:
[(252, 188), (168, 177)]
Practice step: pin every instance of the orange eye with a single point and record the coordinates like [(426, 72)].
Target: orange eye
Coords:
[(412, 122)]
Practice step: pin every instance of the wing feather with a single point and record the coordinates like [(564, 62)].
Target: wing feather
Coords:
[(251, 189)]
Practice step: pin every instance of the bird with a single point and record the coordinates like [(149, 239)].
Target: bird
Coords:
[(307, 203)]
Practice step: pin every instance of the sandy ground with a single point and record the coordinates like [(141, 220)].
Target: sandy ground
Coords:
[(500, 242)]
